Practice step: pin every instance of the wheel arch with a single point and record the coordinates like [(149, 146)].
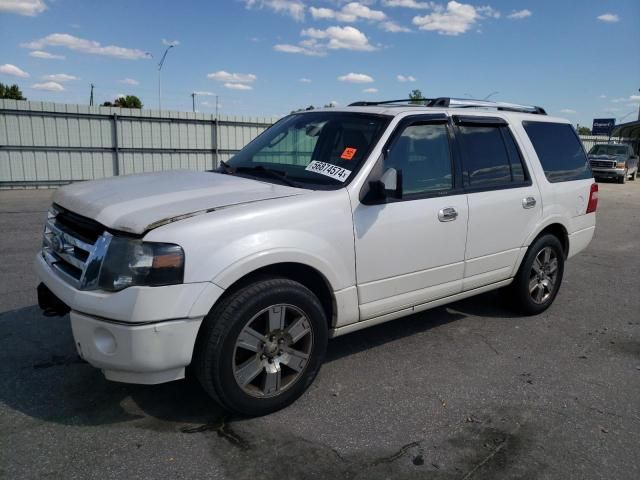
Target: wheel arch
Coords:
[(554, 227)]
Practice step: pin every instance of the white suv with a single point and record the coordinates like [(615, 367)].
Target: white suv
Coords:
[(331, 221)]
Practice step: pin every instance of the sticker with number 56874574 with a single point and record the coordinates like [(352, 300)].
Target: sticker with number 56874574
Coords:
[(328, 170)]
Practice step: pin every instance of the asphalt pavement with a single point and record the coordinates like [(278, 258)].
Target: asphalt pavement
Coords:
[(467, 391)]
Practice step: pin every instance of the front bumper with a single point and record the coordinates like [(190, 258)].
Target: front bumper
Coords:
[(136, 335), (607, 172)]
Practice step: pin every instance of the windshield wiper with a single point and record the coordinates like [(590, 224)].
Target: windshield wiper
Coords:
[(270, 172)]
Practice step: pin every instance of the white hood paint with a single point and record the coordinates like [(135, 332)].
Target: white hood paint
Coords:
[(137, 203)]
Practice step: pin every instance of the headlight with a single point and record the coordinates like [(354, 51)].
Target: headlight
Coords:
[(131, 262), (622, 164)]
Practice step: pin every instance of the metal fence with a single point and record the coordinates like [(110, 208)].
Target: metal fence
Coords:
[(48, 144)]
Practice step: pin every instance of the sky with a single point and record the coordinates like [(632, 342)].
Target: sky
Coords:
[(579, 60)]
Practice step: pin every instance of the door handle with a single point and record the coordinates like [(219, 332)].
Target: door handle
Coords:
[(528, 202), (447, 214)]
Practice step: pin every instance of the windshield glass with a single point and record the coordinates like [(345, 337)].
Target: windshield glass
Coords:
[(608, 150), (319, 148)]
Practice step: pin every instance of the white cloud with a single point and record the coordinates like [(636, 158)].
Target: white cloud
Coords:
[(520, 14), (232, 78), (488, 12), (393, 27), (356, 78), (602, 96), (204, 93), (85, 46), (634, 99), (168, 43), (238, 86), (407, 78), (60, 77), (8, 69), (48, 86), (322, 13), (351, 12), (45, 55), (609, 18), (288, 48), (370, 90), (409, 4), (455, 19), (293, 8), (129, 81), (567, 110), (305, 80), (348, 38), (29, 8)]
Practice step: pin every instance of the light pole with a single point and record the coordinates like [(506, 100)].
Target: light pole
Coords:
[(159, 72)]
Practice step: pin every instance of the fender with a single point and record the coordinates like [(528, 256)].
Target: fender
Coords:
[(251, 263), (550, 220)]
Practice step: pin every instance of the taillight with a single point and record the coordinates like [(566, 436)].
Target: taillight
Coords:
[(593, 198)]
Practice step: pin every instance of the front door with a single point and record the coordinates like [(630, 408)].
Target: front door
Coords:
[(411, 250)]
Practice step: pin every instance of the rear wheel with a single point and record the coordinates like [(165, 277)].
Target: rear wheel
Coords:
[(537, 282), (633, 175), (261, 348)]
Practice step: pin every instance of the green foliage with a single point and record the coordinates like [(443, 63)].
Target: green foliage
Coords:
[(12, 92), (129, 101), (416, 96), (584, 131)]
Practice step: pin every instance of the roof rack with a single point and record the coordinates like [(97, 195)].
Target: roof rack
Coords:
[(447, 102)]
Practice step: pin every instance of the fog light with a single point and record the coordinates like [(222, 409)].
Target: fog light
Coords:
[(105, 341)]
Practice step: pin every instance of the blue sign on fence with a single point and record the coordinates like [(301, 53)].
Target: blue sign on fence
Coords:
[(603, 126)]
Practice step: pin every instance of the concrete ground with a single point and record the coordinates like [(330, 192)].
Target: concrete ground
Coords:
[(464, 391)]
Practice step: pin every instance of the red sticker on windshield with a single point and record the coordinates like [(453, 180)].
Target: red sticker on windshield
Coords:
[(348, 153)]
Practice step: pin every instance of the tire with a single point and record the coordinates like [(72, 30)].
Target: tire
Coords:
[(534, 289), (623, 178), (634, 175), (268, 327)]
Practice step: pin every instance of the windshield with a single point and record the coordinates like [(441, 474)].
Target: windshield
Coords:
[(609, 150), (310, 149)]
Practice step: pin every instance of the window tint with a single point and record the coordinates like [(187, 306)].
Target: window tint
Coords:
[(422, 153), (559, 150), (517, 169), (486, 162)]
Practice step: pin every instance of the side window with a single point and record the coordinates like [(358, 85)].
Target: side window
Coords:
[(559, 150), (422, 152), (490, 157)]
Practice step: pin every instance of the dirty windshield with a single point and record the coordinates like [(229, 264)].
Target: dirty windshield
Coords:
[(609, 150), (310, 149)]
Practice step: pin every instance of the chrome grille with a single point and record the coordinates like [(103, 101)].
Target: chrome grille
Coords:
[(602, 164), (70, 255)]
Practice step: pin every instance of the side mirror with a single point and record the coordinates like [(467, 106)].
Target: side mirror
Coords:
[(389, 185)]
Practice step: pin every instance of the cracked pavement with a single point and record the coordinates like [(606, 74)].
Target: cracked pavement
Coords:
[(467, 391)]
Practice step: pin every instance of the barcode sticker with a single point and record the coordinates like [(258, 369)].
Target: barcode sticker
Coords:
[(329, 170)]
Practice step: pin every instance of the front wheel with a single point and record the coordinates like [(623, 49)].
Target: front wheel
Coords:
[(538, 280), (262, 346), (623, 178)]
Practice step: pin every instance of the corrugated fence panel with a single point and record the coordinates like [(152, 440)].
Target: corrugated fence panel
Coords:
[(44, 143)]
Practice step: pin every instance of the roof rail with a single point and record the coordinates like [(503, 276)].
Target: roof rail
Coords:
[(448, 102), (422, 101)]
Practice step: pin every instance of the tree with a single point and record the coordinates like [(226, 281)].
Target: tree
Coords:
[(12, 92), (129, 101), (584, 131), (416, 96)]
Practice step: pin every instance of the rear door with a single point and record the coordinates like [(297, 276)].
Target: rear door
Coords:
[(504, 203)]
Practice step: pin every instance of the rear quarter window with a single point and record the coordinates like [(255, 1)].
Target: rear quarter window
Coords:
[(559, 150)]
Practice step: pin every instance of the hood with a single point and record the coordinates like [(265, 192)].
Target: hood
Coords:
[(605, 156), (138, 203)]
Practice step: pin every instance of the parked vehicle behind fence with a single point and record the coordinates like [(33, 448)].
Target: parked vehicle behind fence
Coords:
[(615, 161), (331, 221)]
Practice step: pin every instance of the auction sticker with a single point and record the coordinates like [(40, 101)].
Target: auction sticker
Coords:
[(329, 170)]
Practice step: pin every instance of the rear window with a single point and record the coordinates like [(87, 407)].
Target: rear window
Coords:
[(559, 150)]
